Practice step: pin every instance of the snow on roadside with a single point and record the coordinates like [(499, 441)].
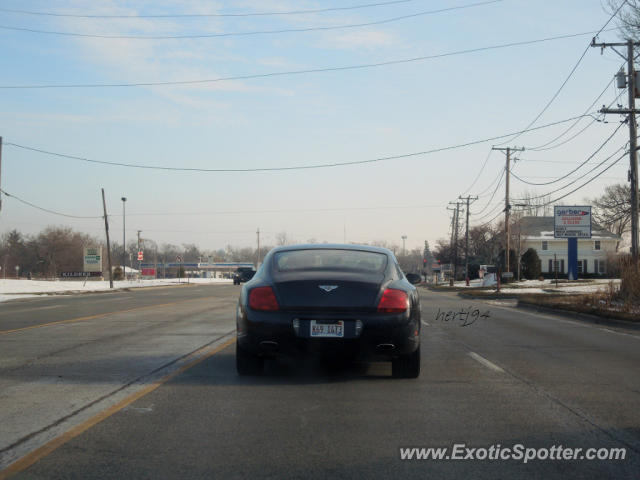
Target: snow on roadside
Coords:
[(11, 289), (549, 286)]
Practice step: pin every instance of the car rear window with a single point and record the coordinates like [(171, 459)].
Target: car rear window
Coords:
[(325, 259)]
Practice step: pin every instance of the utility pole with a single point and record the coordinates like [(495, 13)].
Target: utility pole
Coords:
[(466, 238), (124, 239), (258, 255), (455, 237), (631, 118), (138, 253), (507, 206), (106, 229), (453, 223)]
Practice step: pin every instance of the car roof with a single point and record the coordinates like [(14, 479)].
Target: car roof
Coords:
[(333, 246)]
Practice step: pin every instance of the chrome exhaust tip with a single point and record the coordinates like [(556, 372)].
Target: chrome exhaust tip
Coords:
[(269, 345)]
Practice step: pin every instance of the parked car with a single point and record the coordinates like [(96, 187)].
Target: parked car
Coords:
[(243, 274), (331, 299)]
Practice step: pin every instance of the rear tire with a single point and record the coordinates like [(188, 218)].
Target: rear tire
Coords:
[(248, 364), (406, 366)]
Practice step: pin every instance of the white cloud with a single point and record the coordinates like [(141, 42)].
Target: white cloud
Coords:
[(132, 60)]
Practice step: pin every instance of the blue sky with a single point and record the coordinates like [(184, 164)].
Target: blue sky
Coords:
[(305, 119)]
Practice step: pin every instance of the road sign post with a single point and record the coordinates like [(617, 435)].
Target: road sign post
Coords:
[(572, 223)]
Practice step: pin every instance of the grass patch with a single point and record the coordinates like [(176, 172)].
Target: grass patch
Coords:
[(603, 304)]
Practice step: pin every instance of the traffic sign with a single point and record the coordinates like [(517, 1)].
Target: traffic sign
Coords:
[(140, 255), (507, 274)]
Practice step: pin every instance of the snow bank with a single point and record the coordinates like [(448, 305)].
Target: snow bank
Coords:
[(11, 288)]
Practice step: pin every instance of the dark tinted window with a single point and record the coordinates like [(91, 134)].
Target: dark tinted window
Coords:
[(353, 260)]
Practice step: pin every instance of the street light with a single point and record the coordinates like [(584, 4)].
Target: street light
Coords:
[(124, 240), (404, 250)]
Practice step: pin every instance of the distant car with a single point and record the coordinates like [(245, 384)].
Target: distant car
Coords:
[(243, 274), (331, 299)]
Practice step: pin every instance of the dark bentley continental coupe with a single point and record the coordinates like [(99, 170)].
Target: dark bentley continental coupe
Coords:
[(334, 300)]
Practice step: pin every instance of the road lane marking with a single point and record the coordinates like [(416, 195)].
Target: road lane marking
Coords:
[(620, 333), (486, 362), (13, 312), (92, 317), (49, 447)]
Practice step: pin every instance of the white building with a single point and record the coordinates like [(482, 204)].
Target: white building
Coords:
[(537, 233)]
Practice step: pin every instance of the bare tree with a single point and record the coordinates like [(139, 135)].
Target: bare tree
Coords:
[(628, 17), (612, 210), (283, 239), (532, 205), (60, 249)]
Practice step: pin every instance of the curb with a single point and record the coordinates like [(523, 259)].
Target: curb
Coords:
[(585, 317)]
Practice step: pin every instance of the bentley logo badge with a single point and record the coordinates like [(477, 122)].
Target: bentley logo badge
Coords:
[(328, 288)]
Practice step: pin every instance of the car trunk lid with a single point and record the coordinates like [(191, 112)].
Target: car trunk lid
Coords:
[(328, 290)]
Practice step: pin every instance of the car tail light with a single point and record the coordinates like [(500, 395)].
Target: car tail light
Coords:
[(393, 301), (263, 298)]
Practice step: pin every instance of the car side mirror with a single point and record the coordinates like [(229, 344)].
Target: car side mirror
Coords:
[(413, 278)]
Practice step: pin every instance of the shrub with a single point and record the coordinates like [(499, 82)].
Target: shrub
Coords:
[(530, 264), (117, 273), (629, 281)]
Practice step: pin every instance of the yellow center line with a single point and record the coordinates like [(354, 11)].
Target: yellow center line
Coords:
[(99, 315), (52, 445)]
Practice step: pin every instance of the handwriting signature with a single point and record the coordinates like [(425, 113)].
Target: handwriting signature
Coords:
[(466, 317)]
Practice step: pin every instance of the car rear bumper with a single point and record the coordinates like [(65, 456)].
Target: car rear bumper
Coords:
[(381, 335)]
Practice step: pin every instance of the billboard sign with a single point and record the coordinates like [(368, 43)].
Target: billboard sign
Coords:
[(148, 272), (92, 259), (572, 222)]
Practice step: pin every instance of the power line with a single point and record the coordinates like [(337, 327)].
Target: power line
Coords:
[(484, 192), (588, 181), (573, 70), (46, 209), (575, 169), (569, 193), (492, 211), (284, 210), (553, 161), (300, 72), (200, 15), (228, 212), (269, 169), (492, 195), (578, 178), (487, 222), (244, 34), (545, 146), (484, 164)]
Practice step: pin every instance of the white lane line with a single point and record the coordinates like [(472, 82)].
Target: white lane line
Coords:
[(620, 333), (425, 323), (485, 362)]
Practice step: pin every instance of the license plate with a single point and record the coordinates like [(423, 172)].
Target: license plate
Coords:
[(331, 330)]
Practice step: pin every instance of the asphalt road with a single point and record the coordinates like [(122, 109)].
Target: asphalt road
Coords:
[(142, 384)]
